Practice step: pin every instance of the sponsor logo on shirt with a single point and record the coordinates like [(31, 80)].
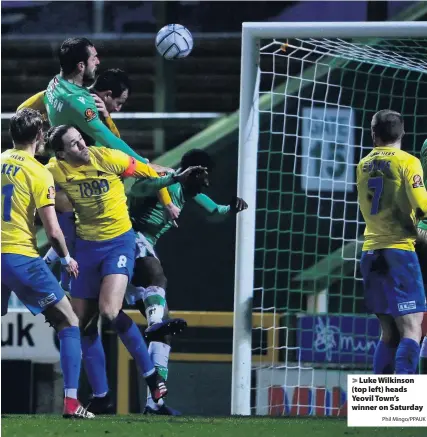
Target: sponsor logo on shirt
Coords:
[(51, 193), (418, 182), (90, 114)]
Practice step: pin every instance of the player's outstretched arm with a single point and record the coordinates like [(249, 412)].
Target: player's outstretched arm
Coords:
[(56, 238), (149, 186), (415, 189), (215, 210)]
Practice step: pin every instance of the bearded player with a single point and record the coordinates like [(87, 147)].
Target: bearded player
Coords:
[(68, 101), (392, 199)]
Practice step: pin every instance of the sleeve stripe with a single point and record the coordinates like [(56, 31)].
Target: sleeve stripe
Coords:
[(131, 168)]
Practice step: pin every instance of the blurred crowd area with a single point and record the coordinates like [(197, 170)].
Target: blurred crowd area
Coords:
[(47, 17)]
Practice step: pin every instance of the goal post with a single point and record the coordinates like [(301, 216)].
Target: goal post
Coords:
[(322, 49)]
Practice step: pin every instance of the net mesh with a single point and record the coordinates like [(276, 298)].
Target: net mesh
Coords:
[(317, 98)]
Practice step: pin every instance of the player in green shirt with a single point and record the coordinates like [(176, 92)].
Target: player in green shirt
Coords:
[(69, 101), (421, 249), (149, 281)]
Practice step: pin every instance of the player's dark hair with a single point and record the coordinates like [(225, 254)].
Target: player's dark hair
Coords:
[(54, 142), (114, 80), (387, 126), (25, 125), (73, 51), (196, 157)]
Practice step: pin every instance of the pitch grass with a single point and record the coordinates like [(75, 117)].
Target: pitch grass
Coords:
[(143, 426)]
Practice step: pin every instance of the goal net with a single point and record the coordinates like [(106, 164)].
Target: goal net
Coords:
[(316, 99)]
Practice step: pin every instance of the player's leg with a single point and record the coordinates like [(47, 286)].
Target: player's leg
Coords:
[(385, 352), (408, 352), (423, 356), (62, 317), (150, 282), (116, 271), (38, 290), (406, 300), (84, 298), (374, 269), (421, 250), (100, 401), (113, 290), (93, 352), (149, 278)]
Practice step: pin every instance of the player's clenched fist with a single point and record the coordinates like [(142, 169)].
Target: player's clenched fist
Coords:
[(237, 204), (72, 268)]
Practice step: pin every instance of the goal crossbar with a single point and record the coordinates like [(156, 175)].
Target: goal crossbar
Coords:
[(373, 29)]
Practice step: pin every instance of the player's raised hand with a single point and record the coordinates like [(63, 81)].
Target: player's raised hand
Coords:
[(171, 213), (237, 204), (72, 268), (100, 105), (200, 173)]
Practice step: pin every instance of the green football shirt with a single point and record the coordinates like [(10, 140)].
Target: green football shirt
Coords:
[(68, 103), (146, 211)]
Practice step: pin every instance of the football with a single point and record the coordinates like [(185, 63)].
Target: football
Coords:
[(174, 41)]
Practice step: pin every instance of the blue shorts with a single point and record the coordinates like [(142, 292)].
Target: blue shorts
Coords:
[(97, 259), (31, 280), (393, 282)]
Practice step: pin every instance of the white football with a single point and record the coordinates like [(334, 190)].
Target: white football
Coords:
[(174, 41)]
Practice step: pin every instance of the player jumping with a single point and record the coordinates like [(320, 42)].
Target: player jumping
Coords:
[(148, 293), (26, 187), (110, 91), (392, 199), (68, 101), (105, 242)]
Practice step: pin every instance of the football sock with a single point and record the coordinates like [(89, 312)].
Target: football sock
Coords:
[(407, 356), (155, 302), (384, 359), (70, 358), (94, 362), (132, 338), (159, 353), (423, 357)]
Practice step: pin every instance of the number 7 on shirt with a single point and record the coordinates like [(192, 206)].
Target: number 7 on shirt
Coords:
[(376, 184)]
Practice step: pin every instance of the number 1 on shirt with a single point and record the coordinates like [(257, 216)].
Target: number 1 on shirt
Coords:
[(7, 191), (376, 184)]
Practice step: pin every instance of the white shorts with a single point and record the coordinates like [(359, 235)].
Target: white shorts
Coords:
[(144, 247)]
